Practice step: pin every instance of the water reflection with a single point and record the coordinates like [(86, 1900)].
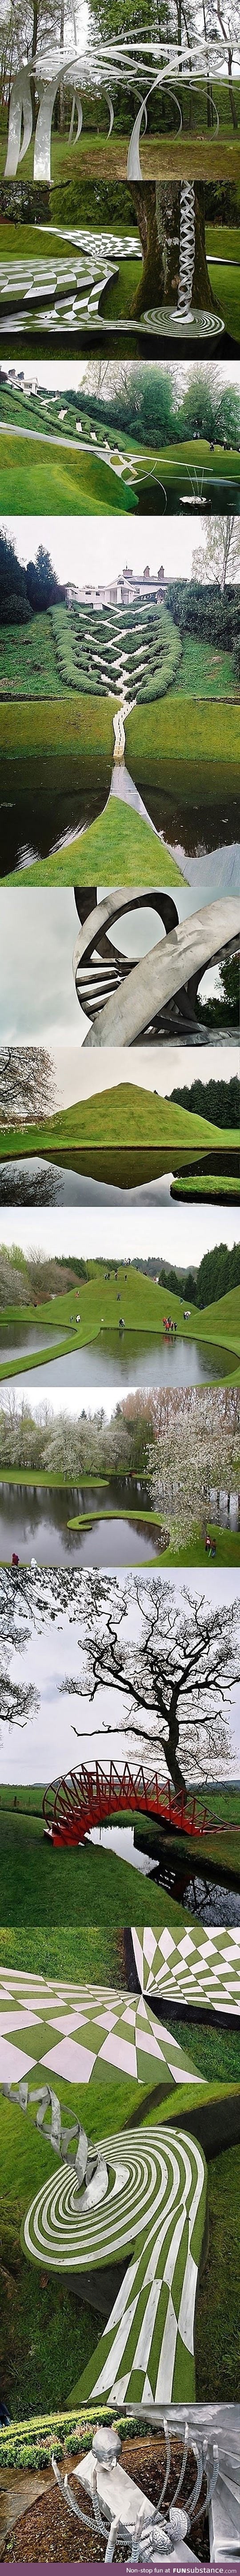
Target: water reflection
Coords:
[(137, 1359), (36, 1522), (209, 1899)]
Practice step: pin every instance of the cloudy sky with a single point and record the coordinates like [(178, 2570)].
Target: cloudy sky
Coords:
[(44, 1007), (78, 1077), (49, 1744), (95, 549), (61, 375), (178, 1234)]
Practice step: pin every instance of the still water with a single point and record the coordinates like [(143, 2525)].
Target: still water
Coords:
[(33, 1182), (207, 1898), (42, 800), (135, 1359), (17, 1338), (34, 1522)]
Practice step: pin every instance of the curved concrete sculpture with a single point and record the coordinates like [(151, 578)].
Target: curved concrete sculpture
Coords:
[(155, 2208), (167, 976), (119, 735)]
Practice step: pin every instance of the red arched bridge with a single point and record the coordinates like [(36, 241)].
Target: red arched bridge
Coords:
[(74, 1804)]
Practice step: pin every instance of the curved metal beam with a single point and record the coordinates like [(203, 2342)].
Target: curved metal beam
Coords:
[(157, 978)]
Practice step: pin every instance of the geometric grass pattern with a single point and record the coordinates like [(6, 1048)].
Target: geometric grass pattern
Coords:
[(69, 2029), (154, 2209), (200, 1966)]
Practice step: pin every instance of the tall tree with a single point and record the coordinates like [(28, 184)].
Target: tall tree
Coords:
[(218, 556)]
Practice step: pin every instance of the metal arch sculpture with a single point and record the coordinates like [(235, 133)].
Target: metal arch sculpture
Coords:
[(74, 1804), (142, 62), (124, 1001), (99, 967)]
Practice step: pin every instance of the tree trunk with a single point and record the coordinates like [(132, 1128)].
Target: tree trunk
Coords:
[(232, 101), (157, 207)]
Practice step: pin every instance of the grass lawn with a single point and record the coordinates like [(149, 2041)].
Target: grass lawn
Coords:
[(47, 1888), (78, 723), (211, 1186), (119, 841), (225, 288), (183, 729), (217, 2354), (36, 475)]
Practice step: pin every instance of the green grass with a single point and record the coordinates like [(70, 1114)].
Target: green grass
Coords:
[(225, 288), (37, 477), (118, 840), (211, 1186), (123, 1114), (189, 732), (217, 2354), (92, 1886), (71, 1888), (204, 671), (74, 723)]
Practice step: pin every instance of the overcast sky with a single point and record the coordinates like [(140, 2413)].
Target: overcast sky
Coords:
[(59, 375), (84, 550), (78, 1077), (178, 1234), (44, 922), (49, 1744)]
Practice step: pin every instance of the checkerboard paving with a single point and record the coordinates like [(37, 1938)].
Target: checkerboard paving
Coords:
[(154, 2213), (199, 1965), (67, 2029)]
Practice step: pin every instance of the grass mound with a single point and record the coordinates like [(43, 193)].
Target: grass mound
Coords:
[(121, 1113)]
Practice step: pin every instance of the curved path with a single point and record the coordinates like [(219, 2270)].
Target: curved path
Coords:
[(174, 967), (155, 2204)]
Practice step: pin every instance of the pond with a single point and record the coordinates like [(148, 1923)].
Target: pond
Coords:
[(17, 1338), (34, 1522), (33, 1181), (42, 800), (136, 1359), (209, 1899)]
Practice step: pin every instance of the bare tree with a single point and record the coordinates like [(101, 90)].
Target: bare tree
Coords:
[(173, 1677), (17, 1704), (27, 1085)]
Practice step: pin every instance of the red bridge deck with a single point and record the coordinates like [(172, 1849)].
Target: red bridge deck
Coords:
[(71, 1806)]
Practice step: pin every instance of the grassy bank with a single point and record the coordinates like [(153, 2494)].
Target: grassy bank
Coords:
[(91, 1885), (119, 841), (35, 476), (176, 725), (122, 1115)]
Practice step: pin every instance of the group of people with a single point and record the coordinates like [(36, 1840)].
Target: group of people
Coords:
[(168, 1325)]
